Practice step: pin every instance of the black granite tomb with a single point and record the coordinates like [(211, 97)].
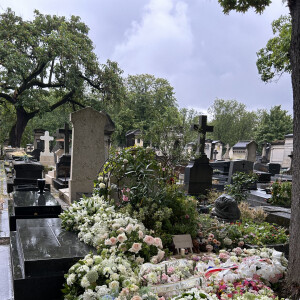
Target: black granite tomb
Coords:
[(62, 172), (42, 252), (220, 174), (32, 204)]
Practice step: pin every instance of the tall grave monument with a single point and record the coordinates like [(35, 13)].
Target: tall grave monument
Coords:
[(91, 131), (198, 173)]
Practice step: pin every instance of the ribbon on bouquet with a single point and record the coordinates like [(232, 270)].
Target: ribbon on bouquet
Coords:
[(212, 270)]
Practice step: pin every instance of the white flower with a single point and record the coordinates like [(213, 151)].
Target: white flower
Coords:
[(100, 178), (71, 278), (102, 185), (89, 261), (114, 285), (84, 282)]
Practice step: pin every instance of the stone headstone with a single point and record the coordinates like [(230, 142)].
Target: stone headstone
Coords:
[(63, 167), (46, 157), (226, 208), (226, 154), (260, 167), (88, 150), (244, 166), (37, 142)]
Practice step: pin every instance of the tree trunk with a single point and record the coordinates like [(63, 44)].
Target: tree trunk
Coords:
[(293, 277), (17, 130)]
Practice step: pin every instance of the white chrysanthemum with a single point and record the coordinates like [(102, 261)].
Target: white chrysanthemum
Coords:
[(89, 295)]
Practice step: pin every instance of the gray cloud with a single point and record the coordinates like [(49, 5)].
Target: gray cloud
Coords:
[(202, 52)]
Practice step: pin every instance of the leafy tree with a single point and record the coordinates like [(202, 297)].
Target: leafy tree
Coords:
[(293, 278), (48, 54), (148, 104), (231, 121), (274, 125), (273, 60)]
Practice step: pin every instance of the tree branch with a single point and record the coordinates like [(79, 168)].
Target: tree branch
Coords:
[(96, 86), (24, 86), (43, 85), (8, 98)]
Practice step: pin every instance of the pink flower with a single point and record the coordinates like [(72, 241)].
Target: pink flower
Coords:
[(122, 237), (163, 169), (161, 298), (160, 255), (164, 277), (129, 228), (128, 190), (113, 240), (170, 270), (107, 242), (141, 234), (149, 240), (136, 297), (136, 247), (187, 216), (211, 235), (125, 198), (241, 243), (157, 242)]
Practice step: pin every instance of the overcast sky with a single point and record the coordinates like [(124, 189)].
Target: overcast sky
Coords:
[(203, 53)]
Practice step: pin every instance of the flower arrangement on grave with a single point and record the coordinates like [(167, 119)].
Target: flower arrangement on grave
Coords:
[(117, 270), (138, 184), (220, 235)]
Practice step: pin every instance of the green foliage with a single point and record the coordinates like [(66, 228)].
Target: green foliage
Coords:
[(231, 121), (239, 187), (243, 6), (47, 54), (274, 125), (281, 193), (274, 60), (145, 189)]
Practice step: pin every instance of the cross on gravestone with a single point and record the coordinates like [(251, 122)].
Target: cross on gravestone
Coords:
[(46, 138), (66, 132), (29, 147), (201, 128)]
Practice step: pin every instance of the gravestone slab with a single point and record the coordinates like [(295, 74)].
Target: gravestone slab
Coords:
[(88, 150), (274, 168), (31, 204), (62, 172), (42, 252)]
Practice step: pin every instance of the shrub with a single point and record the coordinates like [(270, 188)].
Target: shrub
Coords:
[(281, 193), (239, 188), (256, 215)]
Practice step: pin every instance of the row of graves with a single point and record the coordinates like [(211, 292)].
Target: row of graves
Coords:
[(99, 248)]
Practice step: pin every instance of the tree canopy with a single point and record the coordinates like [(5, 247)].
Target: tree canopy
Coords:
[(49, 53), (274, 59), (274, 125), (231, 121)]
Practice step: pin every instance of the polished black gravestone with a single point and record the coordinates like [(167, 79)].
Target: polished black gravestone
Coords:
[(25, 172), (274, 168), (42, 252), (63, 168), (32, 204), (220, 174), (198, 176)]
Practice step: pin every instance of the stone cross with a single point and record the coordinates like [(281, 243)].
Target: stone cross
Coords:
[(66, 132), (46, 138), (201, 128)]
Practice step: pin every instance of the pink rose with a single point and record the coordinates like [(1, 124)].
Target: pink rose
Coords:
[(141, 234), (129, 228), (107, 242), (170, 270), (136, 247), (160, 255), (113, 240), (149, 240), (121, 238), (136, 297), (125, 198), (157, 242)]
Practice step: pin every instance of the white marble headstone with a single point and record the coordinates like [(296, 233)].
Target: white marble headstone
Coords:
[(47, 157)]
